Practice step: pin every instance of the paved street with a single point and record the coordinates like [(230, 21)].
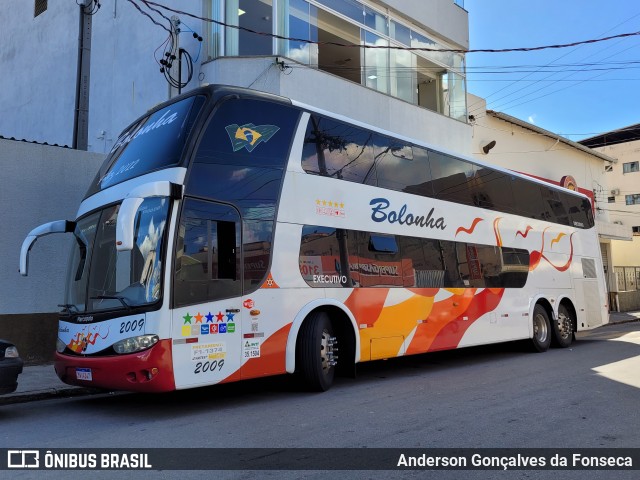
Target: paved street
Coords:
[(500, 396)]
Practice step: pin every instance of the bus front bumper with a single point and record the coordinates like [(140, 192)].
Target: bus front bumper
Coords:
[(147, 371)]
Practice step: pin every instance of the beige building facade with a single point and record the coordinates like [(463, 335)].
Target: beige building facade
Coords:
[(622, 202)]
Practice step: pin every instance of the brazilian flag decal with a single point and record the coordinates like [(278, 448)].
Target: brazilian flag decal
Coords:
[(250, 136)]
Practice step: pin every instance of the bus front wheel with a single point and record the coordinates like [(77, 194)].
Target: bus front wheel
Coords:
[(541, 329), (318, 348)]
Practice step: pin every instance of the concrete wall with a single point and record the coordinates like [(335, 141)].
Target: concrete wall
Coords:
[(38, 60), (629, 301), (38, 184), (125, 78), (442, 17), (625, 254), (37, 99), (622, 184)]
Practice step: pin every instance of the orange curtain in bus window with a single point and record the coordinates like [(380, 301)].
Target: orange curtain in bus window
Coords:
[(367, 272), (475, 269)]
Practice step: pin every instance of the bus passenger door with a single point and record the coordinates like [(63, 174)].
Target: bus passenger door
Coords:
[(207, 289)]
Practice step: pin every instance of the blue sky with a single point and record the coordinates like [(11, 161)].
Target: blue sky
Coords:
[(575, 91)]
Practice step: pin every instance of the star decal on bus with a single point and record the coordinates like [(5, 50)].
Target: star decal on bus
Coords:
[(198, 317), (187, 319), (249, 136), (209, 317), (331, 208)]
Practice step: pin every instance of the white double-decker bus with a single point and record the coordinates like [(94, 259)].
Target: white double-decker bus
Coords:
[(232, 234)]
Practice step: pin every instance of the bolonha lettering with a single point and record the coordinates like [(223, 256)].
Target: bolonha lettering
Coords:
[(380, 212)]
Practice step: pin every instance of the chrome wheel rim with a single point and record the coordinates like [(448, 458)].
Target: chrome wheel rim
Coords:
[(328, 351), (540, 328), (564, 325)]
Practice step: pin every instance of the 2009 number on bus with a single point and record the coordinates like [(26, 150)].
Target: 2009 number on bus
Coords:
[(132, 326), (204, 367)]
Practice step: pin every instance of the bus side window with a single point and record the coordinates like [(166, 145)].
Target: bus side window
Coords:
[(453, 179), (402, 168), (338, 150)]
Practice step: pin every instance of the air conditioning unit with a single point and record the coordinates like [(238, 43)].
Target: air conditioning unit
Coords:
[(615, 191)]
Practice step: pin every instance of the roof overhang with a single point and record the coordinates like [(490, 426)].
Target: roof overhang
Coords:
[(541, 131)]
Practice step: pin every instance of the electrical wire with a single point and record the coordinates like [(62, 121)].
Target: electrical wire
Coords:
[(550, 63), (157, 7), (168, 51), (148, 3)]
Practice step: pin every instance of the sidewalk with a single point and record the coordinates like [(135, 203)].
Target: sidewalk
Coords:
[(40, 382)]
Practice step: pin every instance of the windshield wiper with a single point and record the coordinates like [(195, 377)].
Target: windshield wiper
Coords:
[(113, 297), (67, 308)]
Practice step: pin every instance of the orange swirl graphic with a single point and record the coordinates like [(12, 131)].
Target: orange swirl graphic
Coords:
[(525, 233), (557, 239), (471, 228), (536, 256), (497, 231), (566, 265)]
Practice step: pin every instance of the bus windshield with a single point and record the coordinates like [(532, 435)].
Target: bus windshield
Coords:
[(155, 142), (102, 278)]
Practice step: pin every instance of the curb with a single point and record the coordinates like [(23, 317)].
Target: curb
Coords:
[(622, 321), (48, 394)]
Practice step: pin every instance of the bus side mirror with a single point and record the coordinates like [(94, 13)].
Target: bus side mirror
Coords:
[(59, 226), (127, 214)]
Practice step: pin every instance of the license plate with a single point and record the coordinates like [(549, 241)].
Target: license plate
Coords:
[(83, 374)]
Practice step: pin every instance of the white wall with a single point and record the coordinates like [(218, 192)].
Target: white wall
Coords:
[(38, 184), (37, 99), (38, 58), (125, 78), (443, 17)]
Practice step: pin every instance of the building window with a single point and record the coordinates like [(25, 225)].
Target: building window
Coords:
[(636, 230), (40, 6), (431, 79), (611, 199), (253, 15), (630, 167), (633, 199)]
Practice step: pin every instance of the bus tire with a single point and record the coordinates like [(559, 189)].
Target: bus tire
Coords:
[(317, 352), (562, 328), (541, 329)]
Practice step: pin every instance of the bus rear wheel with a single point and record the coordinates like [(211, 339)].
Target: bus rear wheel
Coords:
[(318, 348), (541, 329), (562, 328)]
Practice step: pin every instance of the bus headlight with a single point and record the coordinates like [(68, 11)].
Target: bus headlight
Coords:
[(60, 346), (135, 344)]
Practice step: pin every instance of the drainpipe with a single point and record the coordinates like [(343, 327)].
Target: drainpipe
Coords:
[(81, 113)]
